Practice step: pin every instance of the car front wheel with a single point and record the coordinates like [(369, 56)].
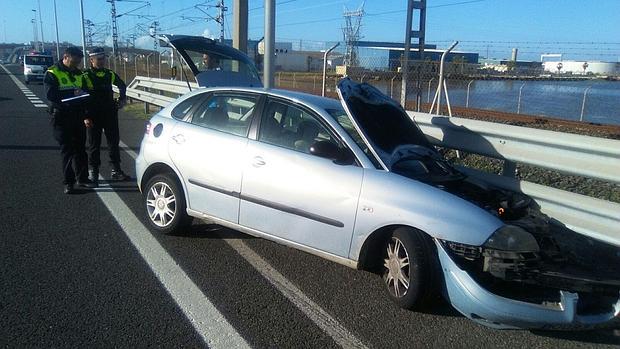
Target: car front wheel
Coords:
[(408, 268), (165, 204)]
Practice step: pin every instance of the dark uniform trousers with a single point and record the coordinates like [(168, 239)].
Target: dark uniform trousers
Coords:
[(105, 121), (70, 133)]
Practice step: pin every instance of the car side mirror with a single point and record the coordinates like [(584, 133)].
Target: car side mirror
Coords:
[(329, 150)]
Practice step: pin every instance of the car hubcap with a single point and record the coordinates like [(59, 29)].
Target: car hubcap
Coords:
[(161, 204), (396, 275)]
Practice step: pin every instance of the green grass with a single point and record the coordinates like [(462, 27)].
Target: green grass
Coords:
[(137, 110)]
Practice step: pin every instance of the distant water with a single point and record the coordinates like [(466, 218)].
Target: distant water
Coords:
[(558, 99)]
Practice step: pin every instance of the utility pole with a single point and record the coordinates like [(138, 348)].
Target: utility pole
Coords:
[(220, 18), (153, 30), (114, 31), (35, 30), (83, 33), (420, 35), (41, 22), (57, 41)]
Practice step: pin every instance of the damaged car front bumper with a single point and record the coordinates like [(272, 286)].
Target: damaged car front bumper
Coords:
[(477, 303)]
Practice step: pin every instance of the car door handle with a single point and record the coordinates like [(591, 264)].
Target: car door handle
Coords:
[(258, 161), (179, 138)]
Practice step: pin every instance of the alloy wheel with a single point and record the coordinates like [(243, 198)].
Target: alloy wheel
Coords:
[(161, 204), (397, 272)]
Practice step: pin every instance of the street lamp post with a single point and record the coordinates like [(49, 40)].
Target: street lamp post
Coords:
[(83, 33), (57, 41)]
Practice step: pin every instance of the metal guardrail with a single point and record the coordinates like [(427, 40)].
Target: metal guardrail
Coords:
[(568, 153)]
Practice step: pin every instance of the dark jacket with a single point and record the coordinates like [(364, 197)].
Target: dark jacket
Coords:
[(55, 94), (99, 84)]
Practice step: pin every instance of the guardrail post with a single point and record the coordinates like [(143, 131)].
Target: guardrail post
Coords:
[(509, 169), (583, 103), (519, 102), (467, 98), (313, 83)]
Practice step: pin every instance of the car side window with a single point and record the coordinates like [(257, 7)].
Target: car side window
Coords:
[(180, 111), (291, 127), (227, 113)]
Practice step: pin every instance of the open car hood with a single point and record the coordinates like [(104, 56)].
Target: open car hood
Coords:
[(229, 66), (388, 131)]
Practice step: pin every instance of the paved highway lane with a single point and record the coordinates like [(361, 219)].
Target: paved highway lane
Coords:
[(72, 274)]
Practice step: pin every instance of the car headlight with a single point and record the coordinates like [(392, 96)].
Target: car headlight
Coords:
[(28, 70), (512, 238)]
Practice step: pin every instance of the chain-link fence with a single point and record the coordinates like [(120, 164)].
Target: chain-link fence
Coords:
[(489, 90), (478, 88)]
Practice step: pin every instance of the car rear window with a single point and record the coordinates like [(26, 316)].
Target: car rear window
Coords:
[(181, 110)]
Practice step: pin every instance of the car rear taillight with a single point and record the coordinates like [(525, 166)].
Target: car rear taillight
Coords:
[(147, 130)]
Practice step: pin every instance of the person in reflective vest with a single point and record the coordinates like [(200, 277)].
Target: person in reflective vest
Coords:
[(104, 112), (64, 90)]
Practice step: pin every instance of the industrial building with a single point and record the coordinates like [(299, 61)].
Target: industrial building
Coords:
[(582, 67)]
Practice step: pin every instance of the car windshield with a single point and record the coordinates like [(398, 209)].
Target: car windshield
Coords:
[(39, 60)]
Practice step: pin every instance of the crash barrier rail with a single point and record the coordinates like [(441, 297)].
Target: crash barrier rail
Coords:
[(585, 156)]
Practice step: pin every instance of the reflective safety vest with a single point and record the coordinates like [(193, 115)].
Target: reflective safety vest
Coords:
[(99, 83), (66, 80)]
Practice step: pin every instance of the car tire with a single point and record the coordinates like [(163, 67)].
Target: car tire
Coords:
[(409, 268), (165, 205)]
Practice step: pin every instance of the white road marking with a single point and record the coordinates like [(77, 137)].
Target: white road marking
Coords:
[(36, 101), (210, 324), (312, 310)]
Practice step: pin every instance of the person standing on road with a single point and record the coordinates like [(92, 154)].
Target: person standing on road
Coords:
[(63, 82), (104, 112)]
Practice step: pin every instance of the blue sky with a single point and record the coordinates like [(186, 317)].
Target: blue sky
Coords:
[(580, 29)]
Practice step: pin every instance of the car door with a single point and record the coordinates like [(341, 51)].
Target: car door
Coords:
[(291, 194), (209, 152)]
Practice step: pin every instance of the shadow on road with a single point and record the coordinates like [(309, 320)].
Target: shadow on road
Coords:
[(210, 231)]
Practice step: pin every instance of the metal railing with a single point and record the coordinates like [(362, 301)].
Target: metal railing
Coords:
[(568, 153)]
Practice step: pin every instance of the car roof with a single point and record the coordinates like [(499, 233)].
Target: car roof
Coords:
[(305, 98)]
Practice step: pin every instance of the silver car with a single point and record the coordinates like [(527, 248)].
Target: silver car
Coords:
[(355, 181)]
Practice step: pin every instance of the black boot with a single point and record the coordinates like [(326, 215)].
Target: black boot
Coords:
[(93, 176), (118, 175), (69, 189), (86, 183)]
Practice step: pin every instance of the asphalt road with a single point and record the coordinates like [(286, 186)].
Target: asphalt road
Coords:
[(71, 275)]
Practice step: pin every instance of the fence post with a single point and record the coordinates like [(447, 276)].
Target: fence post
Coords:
[(583, 103), (467, 98), (519, 102), (313, 83), (125, 70), (428, 96), (135, 64), (392, 86)]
